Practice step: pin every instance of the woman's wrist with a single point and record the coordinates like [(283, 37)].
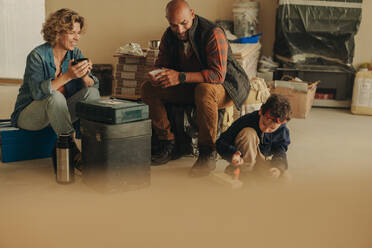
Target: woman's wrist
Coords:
[(88, 81), (66, 78)]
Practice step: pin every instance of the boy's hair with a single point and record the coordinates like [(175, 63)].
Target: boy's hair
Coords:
[(59, 22), (278, 107)]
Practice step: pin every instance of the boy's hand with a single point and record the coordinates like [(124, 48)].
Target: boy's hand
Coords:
[(237, 159), (275, 173)]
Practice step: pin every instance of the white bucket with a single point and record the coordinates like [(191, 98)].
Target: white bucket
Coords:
[(362, 93), (245, 18)]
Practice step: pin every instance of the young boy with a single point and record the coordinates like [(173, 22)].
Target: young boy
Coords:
[(253, 138)]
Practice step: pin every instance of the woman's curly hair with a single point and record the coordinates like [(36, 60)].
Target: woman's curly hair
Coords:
[(60, 22), (278, 106)]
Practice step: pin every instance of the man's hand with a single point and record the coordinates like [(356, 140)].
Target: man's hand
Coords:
[(166, 78), (237, 159), (274, 172)]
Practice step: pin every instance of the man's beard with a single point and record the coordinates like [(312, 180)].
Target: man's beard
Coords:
[(182, 37)]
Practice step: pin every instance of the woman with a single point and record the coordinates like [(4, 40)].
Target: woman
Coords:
[(52, 84)]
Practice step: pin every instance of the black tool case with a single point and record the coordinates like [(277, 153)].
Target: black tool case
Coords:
[(112, 111), (116, 157)]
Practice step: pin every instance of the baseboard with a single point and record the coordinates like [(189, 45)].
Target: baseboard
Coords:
[(10, 81)]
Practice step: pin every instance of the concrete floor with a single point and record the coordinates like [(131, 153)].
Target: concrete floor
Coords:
[(328, 204)]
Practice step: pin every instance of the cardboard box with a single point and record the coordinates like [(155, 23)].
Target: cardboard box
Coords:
[(300, 95)]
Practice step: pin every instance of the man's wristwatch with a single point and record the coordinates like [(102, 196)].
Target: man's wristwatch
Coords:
[(182, 77)]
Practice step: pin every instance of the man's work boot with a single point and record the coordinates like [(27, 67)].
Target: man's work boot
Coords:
[(205, 163), (166, 153)]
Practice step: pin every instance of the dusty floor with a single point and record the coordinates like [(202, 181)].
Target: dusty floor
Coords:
[(328, 204)]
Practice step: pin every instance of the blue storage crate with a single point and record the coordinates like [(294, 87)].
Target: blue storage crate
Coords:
[(18, 144)]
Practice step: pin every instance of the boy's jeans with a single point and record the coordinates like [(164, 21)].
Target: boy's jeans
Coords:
[(248, 142), (55, 110)]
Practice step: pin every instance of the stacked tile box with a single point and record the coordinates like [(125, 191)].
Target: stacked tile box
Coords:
[(247, 55), (132, 72)]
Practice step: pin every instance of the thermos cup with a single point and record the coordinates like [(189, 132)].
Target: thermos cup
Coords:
[(64, 160)]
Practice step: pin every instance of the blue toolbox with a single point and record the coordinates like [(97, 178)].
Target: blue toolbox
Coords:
[(18, 144)]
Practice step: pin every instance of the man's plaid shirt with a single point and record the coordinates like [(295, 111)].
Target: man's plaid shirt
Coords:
[(216, 50)]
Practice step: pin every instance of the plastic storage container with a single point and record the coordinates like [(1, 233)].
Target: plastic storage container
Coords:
[(362, 94), (317, 32), (112, 111), (245, 18), (18, 144), (116, 157)]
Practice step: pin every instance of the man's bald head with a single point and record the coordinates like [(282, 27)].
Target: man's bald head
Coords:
[(180, 17), (175, 6)]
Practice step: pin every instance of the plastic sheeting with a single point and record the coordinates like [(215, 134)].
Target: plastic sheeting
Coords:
[(317, 32)]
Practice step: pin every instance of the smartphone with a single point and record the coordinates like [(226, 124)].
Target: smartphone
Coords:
[(76, 61)]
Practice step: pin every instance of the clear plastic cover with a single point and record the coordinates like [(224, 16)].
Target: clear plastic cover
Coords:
[(317, 32)]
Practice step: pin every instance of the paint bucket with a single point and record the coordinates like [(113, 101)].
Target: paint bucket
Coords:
[(362, 94), (245, 18)]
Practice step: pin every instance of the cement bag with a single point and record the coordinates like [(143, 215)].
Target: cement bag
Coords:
[(258, 94), (362, 94), (228, 118)]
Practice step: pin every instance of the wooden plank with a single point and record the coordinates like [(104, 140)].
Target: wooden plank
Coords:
[(10, 81), (332, 103)]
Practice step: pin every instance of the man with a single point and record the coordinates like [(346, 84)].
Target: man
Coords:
[(198, 68)]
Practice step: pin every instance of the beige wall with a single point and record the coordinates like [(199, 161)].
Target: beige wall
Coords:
[(363, 40), (113, 23)]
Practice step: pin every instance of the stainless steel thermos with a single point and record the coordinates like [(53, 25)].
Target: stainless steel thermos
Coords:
[(64, 160)]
